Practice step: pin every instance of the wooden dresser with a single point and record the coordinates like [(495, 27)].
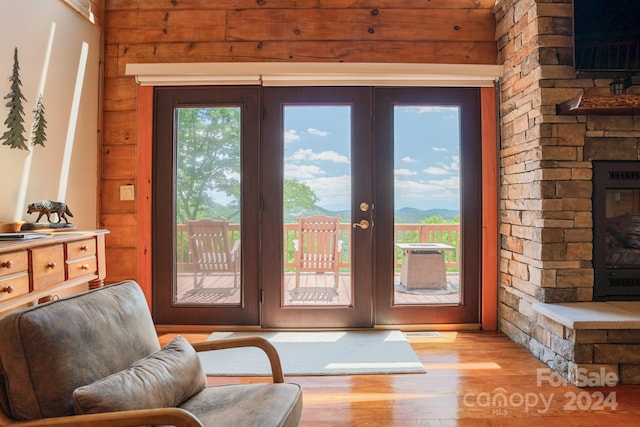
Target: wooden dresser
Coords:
[(36, 269)]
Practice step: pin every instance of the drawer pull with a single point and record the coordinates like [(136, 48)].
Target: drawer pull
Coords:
[(52, 264), (7, 289), (84, 267), (7, 264), (84, 247), (48, 298)]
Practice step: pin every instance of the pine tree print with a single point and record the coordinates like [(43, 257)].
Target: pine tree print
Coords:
[(39, 124), (14, 136)]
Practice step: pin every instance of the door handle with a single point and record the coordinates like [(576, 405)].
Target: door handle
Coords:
[(364, 224)]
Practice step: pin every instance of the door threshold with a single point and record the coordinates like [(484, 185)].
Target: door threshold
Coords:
[(433, 327), (164, 329)]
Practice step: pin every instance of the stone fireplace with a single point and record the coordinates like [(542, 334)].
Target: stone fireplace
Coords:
[(616, 230), (552, 135)]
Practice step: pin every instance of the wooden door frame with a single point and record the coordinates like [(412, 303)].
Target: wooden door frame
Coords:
[(489, 262)]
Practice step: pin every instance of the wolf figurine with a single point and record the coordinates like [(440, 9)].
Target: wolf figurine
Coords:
[(48, 207)]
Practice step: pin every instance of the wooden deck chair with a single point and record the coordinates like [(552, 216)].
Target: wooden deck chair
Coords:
[(210, 250), (318, 248)]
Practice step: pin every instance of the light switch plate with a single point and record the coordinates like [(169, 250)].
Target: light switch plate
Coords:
[(127, 192)]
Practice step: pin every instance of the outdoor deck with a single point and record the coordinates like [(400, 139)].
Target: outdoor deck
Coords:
[(318, 289), (314, 289)]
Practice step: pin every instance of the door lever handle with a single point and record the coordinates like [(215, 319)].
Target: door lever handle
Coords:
[(363, 224)]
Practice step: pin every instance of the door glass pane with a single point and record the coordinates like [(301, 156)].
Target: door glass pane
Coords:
[(208, 206), (427, 205), (317, 206)]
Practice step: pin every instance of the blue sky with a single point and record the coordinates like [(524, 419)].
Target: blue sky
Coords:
[(426, 159)]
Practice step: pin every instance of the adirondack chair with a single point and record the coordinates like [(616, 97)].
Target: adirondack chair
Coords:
[(318, 248), (210, 250)]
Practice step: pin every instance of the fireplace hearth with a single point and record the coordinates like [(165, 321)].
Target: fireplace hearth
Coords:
[(616, 230)]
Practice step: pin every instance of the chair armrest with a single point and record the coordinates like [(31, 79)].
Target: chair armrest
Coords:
[(159, 416), (266, 346), (236, 247)]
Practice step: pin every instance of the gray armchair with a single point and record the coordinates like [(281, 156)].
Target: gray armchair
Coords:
[(94, 359)]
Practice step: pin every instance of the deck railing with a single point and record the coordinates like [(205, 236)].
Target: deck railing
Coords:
[(448, 234)]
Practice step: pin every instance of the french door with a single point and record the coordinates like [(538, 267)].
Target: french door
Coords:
[(428, 151), (318, 142), (205, 205), (400, 169), (334, 207)]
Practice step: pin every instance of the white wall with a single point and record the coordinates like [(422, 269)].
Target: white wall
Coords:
[(72, 115)]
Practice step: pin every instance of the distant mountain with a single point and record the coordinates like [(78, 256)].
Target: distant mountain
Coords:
[(316, 210), (413, 215), (403, 216)]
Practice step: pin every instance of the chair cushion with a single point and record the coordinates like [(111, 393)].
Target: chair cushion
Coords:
[(49, 350), (163, 379), (272, 405)]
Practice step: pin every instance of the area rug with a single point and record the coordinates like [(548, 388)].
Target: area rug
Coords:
[(317, 353)]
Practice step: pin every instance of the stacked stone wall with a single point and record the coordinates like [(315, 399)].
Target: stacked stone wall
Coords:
[(546, 168)]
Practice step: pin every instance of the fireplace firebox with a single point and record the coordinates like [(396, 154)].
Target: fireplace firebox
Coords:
[(616, 230)]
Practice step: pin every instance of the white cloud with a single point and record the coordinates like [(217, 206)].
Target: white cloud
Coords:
[(444, 169), (309, 155), (414, 193), (404, 186), (408, 159), (436, 109), (451, 183), (334, 191), (435, 171), (454, 166), (302, 171), (404, 172), (439, 149), (317, 132), (291, 135)]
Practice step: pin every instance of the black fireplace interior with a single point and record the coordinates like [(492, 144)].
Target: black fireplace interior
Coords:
[(616, 230)]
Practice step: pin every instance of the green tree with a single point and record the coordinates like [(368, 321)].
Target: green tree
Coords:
[(208, 159), (14, 136), (438, 219), (298, 195), (434, 219)]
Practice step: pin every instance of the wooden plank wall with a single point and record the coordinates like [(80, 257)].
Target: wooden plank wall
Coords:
[(152, 31)]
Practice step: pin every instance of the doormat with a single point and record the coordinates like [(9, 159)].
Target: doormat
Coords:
[(317, 353)]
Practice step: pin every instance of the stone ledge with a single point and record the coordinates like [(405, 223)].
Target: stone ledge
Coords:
[(611, 104), (593, 315)]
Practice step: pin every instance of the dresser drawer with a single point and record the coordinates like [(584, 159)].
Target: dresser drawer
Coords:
[(13, 262), (81, 249), (14, 286), (82, 267), (33, 271), (48, 266)]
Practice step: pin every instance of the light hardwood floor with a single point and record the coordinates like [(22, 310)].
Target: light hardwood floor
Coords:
[(467, 372)]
